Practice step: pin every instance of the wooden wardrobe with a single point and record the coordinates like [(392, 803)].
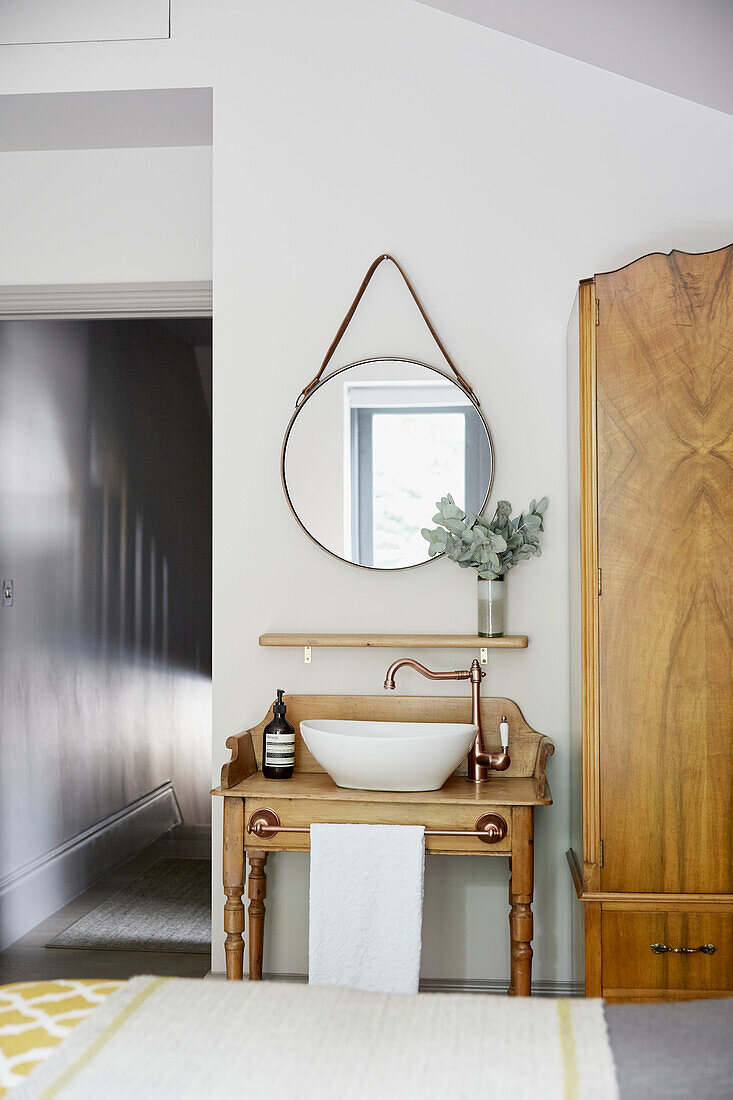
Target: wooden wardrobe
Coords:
[(651, 543)]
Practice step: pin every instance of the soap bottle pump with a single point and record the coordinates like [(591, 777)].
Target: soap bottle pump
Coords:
[(278, 743)]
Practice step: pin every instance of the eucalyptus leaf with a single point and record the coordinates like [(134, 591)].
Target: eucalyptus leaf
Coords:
[(492, 547)]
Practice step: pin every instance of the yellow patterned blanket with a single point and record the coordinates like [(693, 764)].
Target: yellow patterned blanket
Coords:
[(36, 1016)]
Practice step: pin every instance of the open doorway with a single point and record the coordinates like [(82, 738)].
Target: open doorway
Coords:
[(105, 531), (105, 645)]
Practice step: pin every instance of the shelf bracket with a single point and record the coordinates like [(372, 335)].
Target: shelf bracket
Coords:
[(485, 656), (306, 654)]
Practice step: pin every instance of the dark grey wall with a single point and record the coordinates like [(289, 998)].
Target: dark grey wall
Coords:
[(105, 528)]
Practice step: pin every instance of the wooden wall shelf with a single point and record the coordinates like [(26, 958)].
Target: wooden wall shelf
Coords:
[(395, 641)]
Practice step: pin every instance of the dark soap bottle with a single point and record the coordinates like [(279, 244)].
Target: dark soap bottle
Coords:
[(278, 743)]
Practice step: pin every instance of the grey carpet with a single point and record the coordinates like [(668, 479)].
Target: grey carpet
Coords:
[(168, 908), (672, 1051)]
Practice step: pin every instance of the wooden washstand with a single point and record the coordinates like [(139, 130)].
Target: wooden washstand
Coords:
[(312, 796)]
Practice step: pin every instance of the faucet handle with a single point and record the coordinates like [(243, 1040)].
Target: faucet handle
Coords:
[(504, 731)]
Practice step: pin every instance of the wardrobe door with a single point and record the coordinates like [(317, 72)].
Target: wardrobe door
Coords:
[(665, 537)]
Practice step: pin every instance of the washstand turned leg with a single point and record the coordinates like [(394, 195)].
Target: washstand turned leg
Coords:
[(257, 889), (234, 885), (520, 896)]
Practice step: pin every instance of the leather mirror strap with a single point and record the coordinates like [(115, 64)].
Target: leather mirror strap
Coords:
[(352, 310)]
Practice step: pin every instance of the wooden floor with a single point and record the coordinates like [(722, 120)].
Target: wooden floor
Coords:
[(29, 960)]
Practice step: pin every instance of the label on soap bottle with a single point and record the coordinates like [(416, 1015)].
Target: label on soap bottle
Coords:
[(280, 749)]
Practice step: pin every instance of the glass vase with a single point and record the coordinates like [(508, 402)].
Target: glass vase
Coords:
[(491, 608)]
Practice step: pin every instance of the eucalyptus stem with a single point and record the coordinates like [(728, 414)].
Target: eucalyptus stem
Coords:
[(493, 547)]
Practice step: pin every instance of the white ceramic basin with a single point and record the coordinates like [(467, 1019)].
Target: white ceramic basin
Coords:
[(388, 756)]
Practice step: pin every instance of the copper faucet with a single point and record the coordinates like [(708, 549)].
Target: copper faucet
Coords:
[(479, 761)]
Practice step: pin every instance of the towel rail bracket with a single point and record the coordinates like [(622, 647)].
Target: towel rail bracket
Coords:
[(489, 828)]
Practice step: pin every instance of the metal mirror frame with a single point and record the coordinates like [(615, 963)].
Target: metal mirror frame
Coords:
[(300, 405)]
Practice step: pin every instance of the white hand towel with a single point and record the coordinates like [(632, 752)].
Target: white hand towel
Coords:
[(366, 893)]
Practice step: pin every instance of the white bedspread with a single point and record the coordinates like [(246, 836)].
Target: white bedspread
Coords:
[(182, 1039)]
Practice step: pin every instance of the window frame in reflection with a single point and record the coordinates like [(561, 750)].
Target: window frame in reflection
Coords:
[(468, 401)]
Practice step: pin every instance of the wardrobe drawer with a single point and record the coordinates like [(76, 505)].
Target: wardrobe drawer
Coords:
[(631, 967)]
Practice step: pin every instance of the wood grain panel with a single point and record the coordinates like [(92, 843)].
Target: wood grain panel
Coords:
[(396, 641), (665, 535), (647, 996), (630, 964), (455, 791), (524, 743), (593, 973), (589, 585), (439, 816)]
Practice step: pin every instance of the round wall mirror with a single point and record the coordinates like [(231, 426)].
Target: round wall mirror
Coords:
[(370, 450)]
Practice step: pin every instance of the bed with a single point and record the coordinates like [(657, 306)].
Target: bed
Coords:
[(168, 1037), (36, 1017)]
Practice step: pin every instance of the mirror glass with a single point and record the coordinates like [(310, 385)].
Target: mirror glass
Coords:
[(371, 449)]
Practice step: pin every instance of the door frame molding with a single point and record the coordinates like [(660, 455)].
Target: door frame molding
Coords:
[(106, 300)]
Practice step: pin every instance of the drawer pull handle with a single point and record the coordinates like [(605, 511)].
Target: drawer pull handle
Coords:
[(662, 949)]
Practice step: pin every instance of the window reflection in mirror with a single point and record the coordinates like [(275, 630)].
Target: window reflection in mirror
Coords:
[(372, 449)]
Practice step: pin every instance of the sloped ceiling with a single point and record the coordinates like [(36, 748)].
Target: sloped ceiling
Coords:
[(679, 46)]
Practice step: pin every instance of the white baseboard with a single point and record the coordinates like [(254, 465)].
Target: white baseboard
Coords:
[(39, 888), (540, 988)]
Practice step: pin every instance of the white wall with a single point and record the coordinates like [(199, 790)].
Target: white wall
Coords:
[(105, 215), (28, 21), (499, 174)]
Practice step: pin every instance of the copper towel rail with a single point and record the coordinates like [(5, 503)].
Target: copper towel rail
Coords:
[(489, 828)]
